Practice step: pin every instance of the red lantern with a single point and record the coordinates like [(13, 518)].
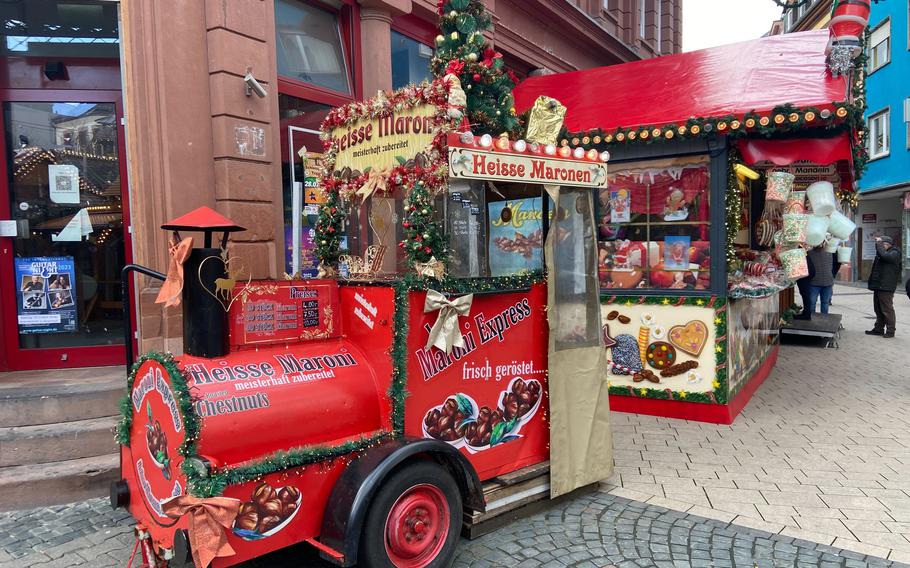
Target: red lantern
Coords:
[(848, 23)]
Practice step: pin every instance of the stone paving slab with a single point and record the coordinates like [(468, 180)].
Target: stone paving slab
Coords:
[(597, 529), (822, 449)]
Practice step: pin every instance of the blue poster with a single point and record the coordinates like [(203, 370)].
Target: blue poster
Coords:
[(46, 297), (516, 236)]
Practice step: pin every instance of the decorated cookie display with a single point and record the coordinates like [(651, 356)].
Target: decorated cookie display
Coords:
[(660, 355), (626, 357), (690, 338)]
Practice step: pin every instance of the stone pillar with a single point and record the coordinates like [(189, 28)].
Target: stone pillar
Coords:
[(376, 42)]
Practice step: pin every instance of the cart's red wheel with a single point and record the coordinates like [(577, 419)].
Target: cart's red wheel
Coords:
[(414, 519), (417, 527)]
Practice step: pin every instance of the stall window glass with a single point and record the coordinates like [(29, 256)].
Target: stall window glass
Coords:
[(494, 228), (410, 61), (654, 225), (309, 46), (879, 139)]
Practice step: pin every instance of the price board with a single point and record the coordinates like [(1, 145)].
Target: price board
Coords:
[(269, 312)]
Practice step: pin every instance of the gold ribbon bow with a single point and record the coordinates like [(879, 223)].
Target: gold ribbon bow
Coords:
[(208, 519), (433, 268), (169, 295), (444, 334), (377, 181)]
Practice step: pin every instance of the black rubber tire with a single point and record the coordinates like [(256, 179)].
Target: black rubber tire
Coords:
[(372, 552)]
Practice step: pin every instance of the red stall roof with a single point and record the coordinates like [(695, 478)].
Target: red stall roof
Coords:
[(735, 79)]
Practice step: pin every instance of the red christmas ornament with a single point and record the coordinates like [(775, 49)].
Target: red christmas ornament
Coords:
[(405, 224), (476, 77), (427, 250)]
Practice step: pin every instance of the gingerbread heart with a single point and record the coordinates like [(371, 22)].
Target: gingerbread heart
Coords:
[(690, 338)]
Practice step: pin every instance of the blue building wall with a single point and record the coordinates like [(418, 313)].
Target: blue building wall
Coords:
[(889, 86)]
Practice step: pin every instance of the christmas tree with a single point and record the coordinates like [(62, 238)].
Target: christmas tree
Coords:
[(462, 50), (423, 237)]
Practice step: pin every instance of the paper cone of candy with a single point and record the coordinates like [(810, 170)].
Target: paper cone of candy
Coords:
[(795, 226), (796, 203), (816, 230), (821, 197), (794, 263), (780, 184), (832, 243), (844, 254), (841, 227)]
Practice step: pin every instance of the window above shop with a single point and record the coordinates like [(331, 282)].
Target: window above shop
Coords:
[(410, 60), (56, 28), (310, 46), (880, 46), (879, 137)]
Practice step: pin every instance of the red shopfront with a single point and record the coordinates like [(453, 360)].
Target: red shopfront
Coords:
[(63, 201)]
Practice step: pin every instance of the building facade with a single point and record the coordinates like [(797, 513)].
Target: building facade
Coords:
[(121, 116), (885, 188)]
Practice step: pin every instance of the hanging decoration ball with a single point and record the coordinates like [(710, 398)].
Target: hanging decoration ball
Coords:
[(453, 14), (423, 211), (826, 114), (750, 123), (467, 137), (565, 151), (578, 153), (764, 121), (668, 134), (520, 146), (550, 150), (454, 36), (779, 119), (472, 57), (426, 235), (695, 129), (486, 141), (810, 116), (512, 111), (605, 156), (793, 117), (734, 125), (469, 87), (592, 154), (498, 113), (440, 40), (841, 112), (476, 77)]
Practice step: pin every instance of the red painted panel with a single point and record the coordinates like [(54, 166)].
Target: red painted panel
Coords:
[(505, 338), (87, 74)]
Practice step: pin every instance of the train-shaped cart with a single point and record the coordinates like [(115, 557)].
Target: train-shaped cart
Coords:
[(377, 411)]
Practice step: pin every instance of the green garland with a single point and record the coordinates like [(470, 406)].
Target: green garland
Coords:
[(719, 395), (734, 202)]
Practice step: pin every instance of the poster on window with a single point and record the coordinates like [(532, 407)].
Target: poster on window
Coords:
[(46, 296), (516, 235)]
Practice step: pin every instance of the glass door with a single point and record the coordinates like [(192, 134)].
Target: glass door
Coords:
[(65, 243)]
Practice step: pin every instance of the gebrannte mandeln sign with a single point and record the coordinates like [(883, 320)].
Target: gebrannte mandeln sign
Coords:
[(377, 143), (471, 163)]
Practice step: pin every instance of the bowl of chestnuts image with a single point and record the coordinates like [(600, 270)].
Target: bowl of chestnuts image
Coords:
[(448, 421), (268, 511)]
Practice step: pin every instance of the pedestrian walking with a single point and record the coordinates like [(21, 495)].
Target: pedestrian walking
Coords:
[(821, 285), (883, 282)]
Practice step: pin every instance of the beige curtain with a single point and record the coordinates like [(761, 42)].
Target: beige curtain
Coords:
[(581, 442)]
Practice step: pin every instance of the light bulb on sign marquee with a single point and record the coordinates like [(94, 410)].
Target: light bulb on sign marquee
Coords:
[(578, 153), (550, 150), (520, 146), (486, 141), (565, 151)]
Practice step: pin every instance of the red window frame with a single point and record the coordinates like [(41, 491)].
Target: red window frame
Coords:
[(349, 22), (415, 28)]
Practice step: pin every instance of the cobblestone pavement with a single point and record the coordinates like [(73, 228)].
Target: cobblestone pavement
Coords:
[(821, 452), (597, 529)]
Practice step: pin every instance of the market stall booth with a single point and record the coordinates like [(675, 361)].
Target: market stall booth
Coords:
[(705, 219)]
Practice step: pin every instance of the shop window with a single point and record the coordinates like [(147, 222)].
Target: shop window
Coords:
[(880, 50), (310, 46), (654, 225), (51, 28), (495, 229), (410, 61), (879, 137)]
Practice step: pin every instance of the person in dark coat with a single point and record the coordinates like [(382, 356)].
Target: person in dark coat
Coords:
[(805, 288), (883, 280)]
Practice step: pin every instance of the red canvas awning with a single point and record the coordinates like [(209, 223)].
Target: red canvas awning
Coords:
[(733, 79)]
